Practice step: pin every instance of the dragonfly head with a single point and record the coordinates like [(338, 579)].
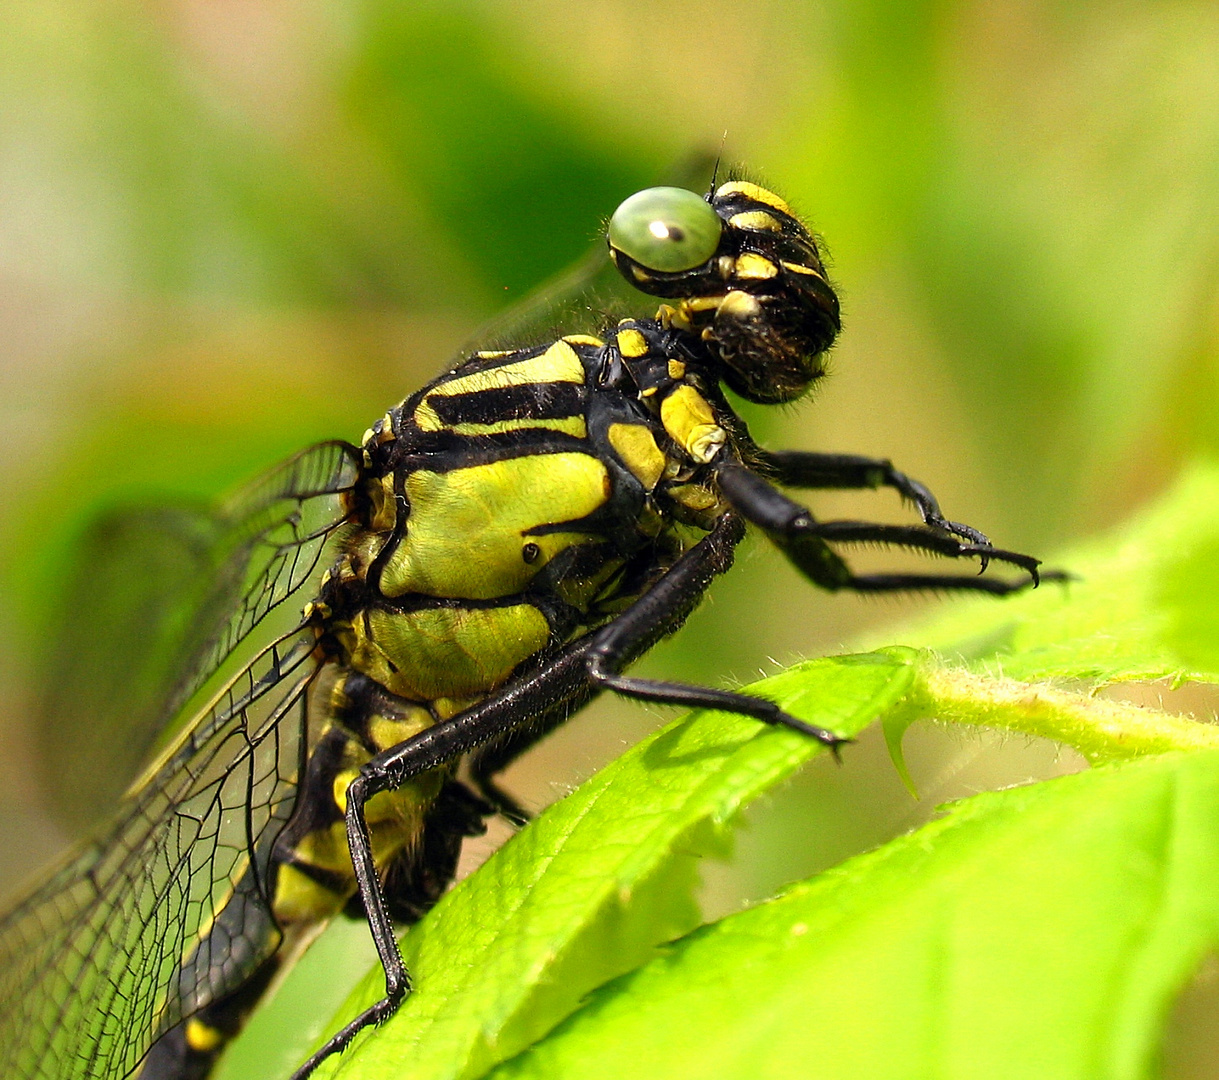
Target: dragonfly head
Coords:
[(745, 276)]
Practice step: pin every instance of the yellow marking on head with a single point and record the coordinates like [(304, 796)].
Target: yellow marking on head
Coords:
[(700, 303), (366, 438), (757, 220), (492, 354), (754, 267), (649, 391), (677, 370), (632, 344), (752, 191), (688, 418), (800, 268), (670, 317), (739, 305), (583, 339), (493, 508), (571, 425), (637, 448), (300, 899), (559, 363), (203, 1038)]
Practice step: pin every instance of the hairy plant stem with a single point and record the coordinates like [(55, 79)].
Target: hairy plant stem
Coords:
[(1100, 729)]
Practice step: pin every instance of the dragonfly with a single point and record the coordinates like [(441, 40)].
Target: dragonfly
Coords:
[(366, 636)]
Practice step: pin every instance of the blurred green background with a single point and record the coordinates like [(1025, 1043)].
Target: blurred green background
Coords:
[(229, 228)]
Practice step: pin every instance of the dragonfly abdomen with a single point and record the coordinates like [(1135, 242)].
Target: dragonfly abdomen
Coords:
[(307, 878)]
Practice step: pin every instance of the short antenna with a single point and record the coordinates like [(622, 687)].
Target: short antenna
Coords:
[(715, 171)]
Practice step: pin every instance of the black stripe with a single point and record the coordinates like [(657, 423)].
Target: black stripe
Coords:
[(443, 451), (529, 401), (409, 603)]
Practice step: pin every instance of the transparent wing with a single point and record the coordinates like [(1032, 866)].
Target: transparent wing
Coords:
[(585, 298), (106, 954), (162, 596), (590, 295)]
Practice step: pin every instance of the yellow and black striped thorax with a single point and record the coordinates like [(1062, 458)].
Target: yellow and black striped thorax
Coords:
[(514, 503)]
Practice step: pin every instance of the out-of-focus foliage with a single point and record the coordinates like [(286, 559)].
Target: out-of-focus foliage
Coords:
[(232, 227), (1040, 931)]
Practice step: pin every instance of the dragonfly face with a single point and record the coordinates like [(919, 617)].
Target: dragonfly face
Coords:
[(758, 299), (500, 547)]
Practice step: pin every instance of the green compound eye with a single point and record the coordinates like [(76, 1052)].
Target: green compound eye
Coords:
[(666, 229)]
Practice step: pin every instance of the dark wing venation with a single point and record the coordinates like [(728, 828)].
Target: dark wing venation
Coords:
[(113, 949), (275, 533), (586, 298), (187, 584)]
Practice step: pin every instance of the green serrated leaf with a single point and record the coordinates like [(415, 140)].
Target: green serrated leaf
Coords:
[(1145, 604), (591, 888), (1037, 932)]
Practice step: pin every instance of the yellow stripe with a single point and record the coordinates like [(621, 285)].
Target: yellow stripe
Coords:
[(752, 191), (583, 339), (571, 425), (700, 303), (753, 267), (800, 268), (236, 873), (637, 447), (300, 899), (559, 363), (756, 220), (326, 848)]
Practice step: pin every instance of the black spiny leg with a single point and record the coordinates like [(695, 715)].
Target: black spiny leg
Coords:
[(564, 682), (560, 682), (804, 469), (803, 540), (615, 646)]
